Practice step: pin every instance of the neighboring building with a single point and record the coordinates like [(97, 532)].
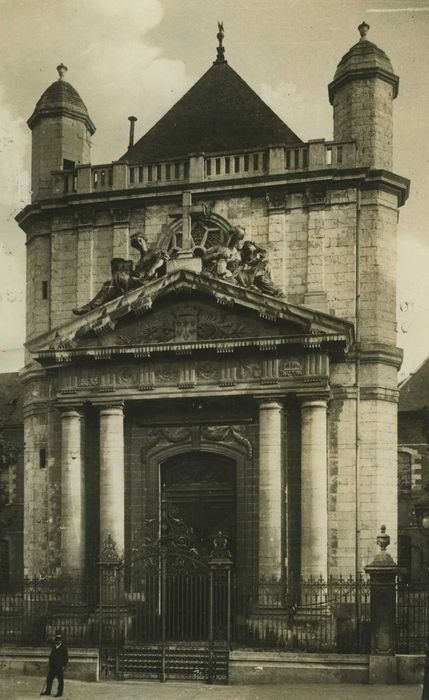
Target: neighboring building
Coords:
[(190, 369), (11, 477), (413, 472)]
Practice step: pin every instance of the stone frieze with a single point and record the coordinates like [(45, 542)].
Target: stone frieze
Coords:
[(186, 373)]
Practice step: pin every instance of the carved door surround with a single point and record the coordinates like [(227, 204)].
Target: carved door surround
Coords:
[(228, 442)]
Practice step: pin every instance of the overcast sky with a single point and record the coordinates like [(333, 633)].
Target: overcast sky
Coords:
[(139, 56)]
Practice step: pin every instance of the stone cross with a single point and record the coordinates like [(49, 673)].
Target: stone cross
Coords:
[(186, 211)]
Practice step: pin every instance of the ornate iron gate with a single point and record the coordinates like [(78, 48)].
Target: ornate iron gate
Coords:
[(167, 613)]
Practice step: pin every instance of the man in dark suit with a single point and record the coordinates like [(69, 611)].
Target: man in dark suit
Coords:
[(58, 660)]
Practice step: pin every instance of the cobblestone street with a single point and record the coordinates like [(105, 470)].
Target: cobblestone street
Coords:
[(24, 688)]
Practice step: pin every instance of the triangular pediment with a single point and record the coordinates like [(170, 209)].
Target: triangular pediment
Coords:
[(186, 311)]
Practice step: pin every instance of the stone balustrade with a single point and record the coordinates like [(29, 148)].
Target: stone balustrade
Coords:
[(277, 160)]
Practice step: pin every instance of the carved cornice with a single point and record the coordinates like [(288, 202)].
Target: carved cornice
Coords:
[(379, 393), (257, 186), (309, 328), (371, 353)]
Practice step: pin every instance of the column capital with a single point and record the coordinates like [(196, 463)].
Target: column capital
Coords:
[(307, 402), (114, 408), (71, 411), (270, 403)]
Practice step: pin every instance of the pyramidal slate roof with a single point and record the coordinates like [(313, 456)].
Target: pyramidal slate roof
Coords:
[(220, 113)]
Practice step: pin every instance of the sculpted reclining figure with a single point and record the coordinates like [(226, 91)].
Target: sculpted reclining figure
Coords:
[(126, 277), (241, 262), (223, 260), (255, 270)]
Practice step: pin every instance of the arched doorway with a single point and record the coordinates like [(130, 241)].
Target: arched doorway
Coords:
[(200, 489)]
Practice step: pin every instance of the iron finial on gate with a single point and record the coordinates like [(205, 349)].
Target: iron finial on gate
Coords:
[(220, 554), (109, 553)]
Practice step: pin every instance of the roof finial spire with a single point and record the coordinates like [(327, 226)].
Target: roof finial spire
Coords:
[(220, 58), (363, 30), (62, 70)]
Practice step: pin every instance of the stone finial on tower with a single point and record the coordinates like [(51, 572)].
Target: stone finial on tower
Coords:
[(62, 70), (363, 30), (220, 58)]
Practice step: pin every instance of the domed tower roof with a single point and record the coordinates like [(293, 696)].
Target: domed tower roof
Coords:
[(363, 60), (61, 98)]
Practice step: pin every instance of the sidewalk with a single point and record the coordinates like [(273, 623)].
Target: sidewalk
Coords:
[(26, 687)]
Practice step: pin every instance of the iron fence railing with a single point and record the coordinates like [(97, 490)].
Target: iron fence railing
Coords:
[(32, 611), (412, 612), (313, 615), (305, 615)]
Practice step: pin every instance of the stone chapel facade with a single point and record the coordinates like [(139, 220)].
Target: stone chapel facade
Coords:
[(246, 363)]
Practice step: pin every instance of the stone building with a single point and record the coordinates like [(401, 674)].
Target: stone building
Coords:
[(246, 364), (413, 468), (11, 477)]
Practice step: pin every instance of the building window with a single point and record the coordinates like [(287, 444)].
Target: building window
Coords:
[(4, 561), (405, 554), (45, 289), (404, 474), (329, 156), (149, 173), (305, 158), (256, 161), (339, 154), (131, 176), (227, 164), (217, 166), (168, 171), (296, 154), (141, 174), (287, 160), (246, 163), (158, 172), (177, 170), (42, 458), (237, 164), (209, 167)]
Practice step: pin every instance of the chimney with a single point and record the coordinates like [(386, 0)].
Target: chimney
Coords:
[(132, 121)]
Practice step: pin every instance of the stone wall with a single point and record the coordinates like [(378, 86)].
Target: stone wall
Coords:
[(310, 241), (363, 111), (53, 140)]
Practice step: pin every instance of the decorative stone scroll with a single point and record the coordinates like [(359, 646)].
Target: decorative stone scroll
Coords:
[(227, 434), (197, 436)]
